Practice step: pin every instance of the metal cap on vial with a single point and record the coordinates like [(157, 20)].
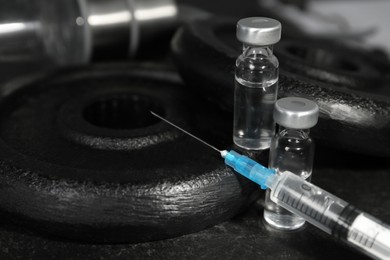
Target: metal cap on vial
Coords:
[(260, 31), (296, 113)]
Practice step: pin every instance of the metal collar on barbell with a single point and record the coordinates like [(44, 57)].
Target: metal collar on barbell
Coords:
[(119, 23)]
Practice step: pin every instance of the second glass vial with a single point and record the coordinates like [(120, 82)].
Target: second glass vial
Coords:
[(256, 85), (291, 150)]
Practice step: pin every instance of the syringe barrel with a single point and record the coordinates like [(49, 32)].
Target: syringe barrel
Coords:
[(332, 215), (317, 206)]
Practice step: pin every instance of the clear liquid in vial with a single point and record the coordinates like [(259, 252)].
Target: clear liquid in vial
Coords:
[(293, 151), (253, 109)]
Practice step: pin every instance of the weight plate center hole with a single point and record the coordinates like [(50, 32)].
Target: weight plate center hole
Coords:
[(322, 58), (122, 112)]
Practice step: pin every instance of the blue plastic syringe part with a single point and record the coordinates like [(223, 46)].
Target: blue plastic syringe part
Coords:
[(310, 202), (315, 205), (247, 167), (250, 169)]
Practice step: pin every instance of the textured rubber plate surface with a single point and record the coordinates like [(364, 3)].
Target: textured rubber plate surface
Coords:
[(82, 157)]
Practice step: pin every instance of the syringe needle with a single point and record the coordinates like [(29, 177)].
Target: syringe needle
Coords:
[(343, 220), (188, 133)]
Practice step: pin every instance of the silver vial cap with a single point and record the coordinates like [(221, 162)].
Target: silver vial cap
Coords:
[(259, 31), (296, 113)]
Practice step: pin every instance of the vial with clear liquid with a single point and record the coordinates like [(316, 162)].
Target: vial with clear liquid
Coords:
[(291, 150), (256, 83)]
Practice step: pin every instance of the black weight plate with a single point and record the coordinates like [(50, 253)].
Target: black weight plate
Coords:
[(81, 157), (350, 86)]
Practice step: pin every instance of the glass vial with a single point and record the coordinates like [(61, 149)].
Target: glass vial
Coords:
[(256, 83), (292, 150)]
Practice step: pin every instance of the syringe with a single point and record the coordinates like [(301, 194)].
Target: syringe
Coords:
[(315, 205)]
